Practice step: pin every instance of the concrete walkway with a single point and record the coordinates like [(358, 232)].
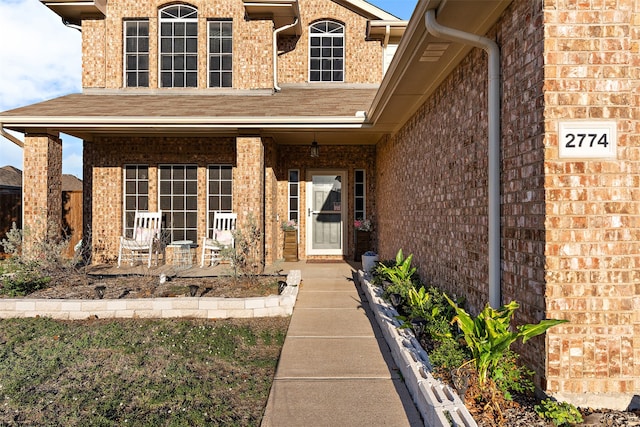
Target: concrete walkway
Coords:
[(335, 368)]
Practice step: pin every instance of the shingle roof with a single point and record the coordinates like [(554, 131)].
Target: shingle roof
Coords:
[(12, 177), (291, 102)]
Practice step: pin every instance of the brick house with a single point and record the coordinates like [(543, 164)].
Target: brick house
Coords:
[(207, 105)]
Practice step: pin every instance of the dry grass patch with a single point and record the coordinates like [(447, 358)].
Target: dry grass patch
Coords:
[(137, 372)]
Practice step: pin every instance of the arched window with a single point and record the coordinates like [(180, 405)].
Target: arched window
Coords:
[(326, 52), (178, 46)]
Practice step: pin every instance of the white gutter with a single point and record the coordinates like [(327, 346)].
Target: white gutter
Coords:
[(275, 53), (357, 119), (10, 137), (493, 113)]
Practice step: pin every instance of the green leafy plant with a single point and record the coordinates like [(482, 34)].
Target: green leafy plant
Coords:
[(400, 274), (510, 377), (560, 413), (489, 336)]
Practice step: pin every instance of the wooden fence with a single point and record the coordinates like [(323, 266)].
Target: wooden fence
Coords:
[(11, 211)]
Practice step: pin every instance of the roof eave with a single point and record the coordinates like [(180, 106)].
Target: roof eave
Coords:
[(414, 74), (74, 11)]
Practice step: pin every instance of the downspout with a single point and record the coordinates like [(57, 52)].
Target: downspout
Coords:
[(493, 113), (275, 53), (11, 137)]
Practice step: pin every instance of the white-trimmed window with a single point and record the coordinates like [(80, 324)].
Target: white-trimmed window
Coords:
[(136, 194), (178, 196), (326, 52), (294, 195), (136, 53), (220, 53), (178, 46), (219, 191), (360, 195)]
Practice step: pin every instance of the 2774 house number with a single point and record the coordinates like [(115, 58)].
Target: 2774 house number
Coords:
[(587, 139)]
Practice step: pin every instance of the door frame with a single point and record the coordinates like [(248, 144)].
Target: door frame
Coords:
[(344, 196)]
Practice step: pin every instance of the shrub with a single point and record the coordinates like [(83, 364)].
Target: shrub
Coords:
[(489, 337), (245, 255), (560, 413), (510, 377)]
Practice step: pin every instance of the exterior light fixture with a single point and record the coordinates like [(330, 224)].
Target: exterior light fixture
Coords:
[(314, 151)]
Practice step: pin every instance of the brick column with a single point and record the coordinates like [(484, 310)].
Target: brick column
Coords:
[(248, 183), (42, 187), (272, 230)]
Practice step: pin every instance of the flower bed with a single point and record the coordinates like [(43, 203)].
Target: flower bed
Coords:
[(438, 403), (191, 307)]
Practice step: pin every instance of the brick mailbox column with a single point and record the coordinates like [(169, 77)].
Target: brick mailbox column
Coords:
[(42, 187), (248, 183)]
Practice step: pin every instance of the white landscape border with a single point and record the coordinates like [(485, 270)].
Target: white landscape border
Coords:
[(157, 308), (438, 403)]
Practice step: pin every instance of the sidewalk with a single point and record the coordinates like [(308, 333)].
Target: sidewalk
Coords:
[(335, 368)]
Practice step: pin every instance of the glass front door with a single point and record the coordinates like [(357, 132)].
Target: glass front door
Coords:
[(326, 206)]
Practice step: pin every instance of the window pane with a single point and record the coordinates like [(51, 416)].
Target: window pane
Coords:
[(226, 204), (192, 45), (192, 80), (178, 45), (178, 62), (178, 29), (226, 63), (226, 172), (192, 29), (191, 220), (227, 45), (227, 80), (143, 204), (165, 29), (166, 79)]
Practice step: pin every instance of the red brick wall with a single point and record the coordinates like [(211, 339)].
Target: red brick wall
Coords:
[(104, 159), (593, 206), (252, 44), (42, 183), (432, 176), (570, 229)]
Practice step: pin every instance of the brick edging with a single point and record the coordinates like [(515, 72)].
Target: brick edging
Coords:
[(178, 307)]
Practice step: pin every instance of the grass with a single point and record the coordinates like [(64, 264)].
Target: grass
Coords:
[(137, 372)]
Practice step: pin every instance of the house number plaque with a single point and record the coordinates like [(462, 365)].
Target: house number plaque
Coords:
[(580, 139)]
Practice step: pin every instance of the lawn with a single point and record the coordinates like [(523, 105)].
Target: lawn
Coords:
[(137, 372)]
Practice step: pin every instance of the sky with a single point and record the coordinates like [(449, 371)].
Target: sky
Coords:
[(40, 59)]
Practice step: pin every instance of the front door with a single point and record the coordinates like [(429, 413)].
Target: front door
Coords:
[(326, 208)]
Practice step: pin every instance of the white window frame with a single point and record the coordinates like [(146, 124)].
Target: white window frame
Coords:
[(219, 194), (338, 32), (188, 16), (356, 213), (137, 53), (186, 232), (222, 55), (138, 194), (293, 214)]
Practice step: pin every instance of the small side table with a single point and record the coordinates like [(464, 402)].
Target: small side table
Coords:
[(182, 253)]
